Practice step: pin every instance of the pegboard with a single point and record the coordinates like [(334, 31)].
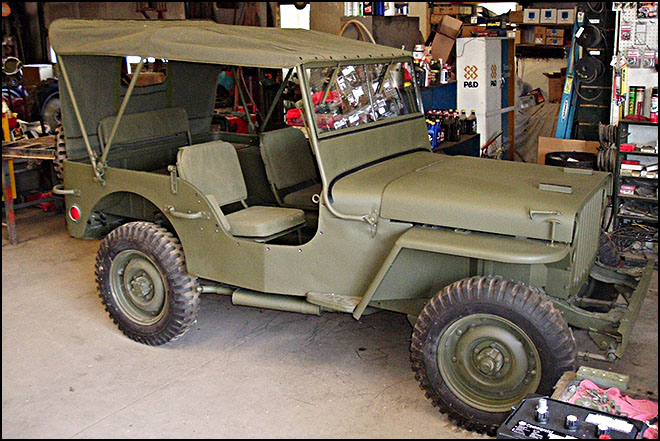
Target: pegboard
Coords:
[(636, 76), (629, 17)]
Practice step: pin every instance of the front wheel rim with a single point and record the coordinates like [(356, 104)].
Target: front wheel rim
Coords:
[(488, 362), (138, 287)]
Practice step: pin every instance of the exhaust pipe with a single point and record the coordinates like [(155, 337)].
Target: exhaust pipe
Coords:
[(244, 297)]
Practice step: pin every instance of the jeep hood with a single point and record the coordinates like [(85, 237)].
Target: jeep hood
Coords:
[(500, 197)]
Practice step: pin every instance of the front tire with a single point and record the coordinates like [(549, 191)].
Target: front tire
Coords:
[(483, 343), (143, 283)]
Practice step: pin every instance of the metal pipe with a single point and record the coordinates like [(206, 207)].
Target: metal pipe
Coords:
[(244, 297), (88, 146), (275, 100), (215, 289), (310, 118), (122, 109), (248, 117), (333, 78)]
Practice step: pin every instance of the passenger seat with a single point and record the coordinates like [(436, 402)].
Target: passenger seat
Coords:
[(213, 168)]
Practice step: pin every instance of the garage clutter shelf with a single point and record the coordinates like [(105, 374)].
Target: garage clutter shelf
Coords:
[(635, 196)]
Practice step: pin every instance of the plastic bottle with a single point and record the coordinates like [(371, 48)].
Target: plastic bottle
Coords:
[(463, 121), (654, 105), (472, 123)]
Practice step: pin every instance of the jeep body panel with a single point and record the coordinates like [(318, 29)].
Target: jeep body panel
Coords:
[(469, 193), (341, 258)]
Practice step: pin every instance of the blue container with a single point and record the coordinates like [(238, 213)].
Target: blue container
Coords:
[(380, 8)]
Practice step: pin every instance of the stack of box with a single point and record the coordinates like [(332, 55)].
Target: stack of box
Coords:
[(449, 29), (554, 37)]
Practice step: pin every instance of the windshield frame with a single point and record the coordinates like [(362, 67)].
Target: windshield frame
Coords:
[(314, 130)]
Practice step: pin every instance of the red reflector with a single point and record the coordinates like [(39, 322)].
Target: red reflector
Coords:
[(74, 212)]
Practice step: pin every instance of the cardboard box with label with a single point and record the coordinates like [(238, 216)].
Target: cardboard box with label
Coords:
[(565, 16), (556, 33), (531, 16), (554, 41), (539, 35), (444, 40), (548, 16)]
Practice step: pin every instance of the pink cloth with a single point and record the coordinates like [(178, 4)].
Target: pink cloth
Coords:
[(642, 410)]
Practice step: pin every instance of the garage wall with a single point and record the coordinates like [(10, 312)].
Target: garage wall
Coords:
[(326, 16), (108, 10)]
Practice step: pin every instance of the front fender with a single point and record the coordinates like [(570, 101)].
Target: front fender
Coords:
[(448, 252)]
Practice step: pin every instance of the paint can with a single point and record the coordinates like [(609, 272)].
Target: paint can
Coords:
[(632, 91), (639, 100)]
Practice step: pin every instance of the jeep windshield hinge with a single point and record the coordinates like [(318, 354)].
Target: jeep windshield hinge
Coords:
[(173, 183), (372, 220)]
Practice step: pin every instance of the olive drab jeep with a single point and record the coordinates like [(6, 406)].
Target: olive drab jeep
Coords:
[(493, 262)]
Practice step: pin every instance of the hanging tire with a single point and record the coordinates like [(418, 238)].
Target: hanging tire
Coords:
[(483, 343), (143, 283), (60, 153)]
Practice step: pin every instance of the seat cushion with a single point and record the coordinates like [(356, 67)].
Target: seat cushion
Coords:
[(303, 198), (260, 221)]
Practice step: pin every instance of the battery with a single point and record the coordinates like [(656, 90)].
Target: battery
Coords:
[(639, 100), (632, 91)]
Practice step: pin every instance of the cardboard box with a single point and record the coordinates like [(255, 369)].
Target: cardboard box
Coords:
[(442, 46), (554, 41), (451, 9), (555, 85), (518, 36), (539, 35), (548, 16), (531, 16), (450, 26), (565, 16), (552, 32), (547, 145), (516, 17), (33, 74)]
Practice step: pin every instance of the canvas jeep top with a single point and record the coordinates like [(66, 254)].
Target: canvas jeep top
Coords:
[(491, 261)]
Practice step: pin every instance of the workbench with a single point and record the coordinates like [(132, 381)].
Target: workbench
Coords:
[(42, 148)]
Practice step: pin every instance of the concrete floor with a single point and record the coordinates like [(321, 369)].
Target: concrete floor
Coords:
[(67, 371)]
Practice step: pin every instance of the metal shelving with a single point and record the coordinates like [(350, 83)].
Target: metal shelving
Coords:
[(623, 220)]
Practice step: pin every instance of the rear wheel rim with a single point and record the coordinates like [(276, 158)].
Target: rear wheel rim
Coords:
[(138, 287), (488, 362)]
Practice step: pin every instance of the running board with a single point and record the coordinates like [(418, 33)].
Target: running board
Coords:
[(333, 301)]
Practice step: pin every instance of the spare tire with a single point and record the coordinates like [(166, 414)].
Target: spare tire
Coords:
[(571, 160)]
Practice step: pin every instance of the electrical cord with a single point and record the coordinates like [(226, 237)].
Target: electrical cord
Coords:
[(599, 10)]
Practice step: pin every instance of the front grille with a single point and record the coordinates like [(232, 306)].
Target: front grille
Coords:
[(585, 245)]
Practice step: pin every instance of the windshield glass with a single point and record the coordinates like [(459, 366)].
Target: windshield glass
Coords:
[(359, 94)]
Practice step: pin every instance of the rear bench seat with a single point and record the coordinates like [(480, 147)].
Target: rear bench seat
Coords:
[(161, 126)]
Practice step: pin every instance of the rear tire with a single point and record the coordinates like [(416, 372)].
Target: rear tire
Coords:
[(143, 283), (483, 343)]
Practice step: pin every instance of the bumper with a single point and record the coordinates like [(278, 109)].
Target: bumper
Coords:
[(612, 330)]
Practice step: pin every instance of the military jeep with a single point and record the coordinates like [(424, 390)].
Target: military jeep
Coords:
[(492, 261)]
